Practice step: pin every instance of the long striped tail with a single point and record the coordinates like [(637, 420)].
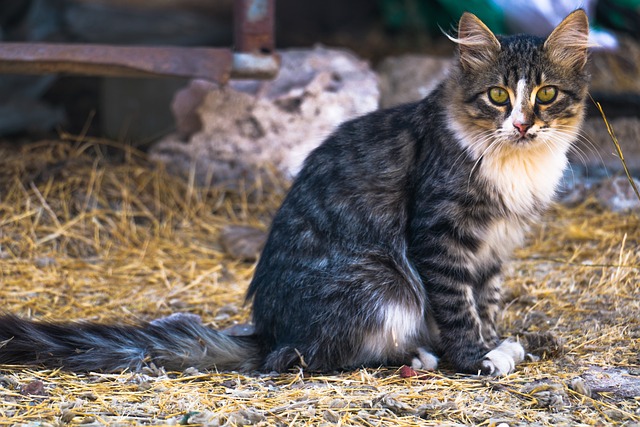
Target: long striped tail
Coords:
[(175, 343)]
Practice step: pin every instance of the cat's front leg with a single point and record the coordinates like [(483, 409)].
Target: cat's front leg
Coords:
[(461, 331), (489, 297), (505, 356)]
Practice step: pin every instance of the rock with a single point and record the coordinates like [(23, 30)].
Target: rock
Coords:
[(249, 126), (242, 242), (576, 185), (332, 416), (185, 107), (409, 78), (547, 395), (390, 402), (613, 381), (33, 388), (596, 150), (44, 262), (618, 195), (579, 386)]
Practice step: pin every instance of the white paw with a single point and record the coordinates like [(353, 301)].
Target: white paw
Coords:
[(426, 361), (503, 359)]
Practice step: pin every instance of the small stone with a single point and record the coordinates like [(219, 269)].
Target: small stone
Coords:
[(337, 404), (615, 414), (242, 242), (8, 382), (43, 262), (547, 395), (34, 388), (389, 401), (407, 372), (191, 372), (88, 395), (311, 411), (331, 416), (244, 417), (579, 386), (67, 416)]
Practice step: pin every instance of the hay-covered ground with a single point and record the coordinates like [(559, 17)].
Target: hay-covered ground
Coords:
[(84, 237)]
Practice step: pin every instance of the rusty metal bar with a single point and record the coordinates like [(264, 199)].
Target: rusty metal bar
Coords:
[(121, 61), (253, 58), (254, 26)]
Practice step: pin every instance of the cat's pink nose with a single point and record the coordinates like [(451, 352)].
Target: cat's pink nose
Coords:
[(522, 127)]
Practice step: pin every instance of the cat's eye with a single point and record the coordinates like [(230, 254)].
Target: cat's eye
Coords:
[(546, 95), (498, 96)]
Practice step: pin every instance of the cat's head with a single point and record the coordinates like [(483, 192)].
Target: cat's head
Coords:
[(519, 91)]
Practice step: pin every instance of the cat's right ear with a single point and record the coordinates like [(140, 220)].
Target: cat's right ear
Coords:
[(567, 44), (476, 43)]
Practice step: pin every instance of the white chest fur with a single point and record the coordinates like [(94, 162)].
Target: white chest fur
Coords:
[(524, 177)]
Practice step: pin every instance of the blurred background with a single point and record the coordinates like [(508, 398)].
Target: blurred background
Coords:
[(138, 110)]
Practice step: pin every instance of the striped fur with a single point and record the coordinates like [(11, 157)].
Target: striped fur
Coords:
[(389, 247)]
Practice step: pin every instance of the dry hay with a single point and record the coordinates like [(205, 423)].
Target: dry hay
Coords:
[(85, 237)]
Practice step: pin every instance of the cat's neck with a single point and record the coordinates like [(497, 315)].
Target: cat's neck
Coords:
[(524, 177)]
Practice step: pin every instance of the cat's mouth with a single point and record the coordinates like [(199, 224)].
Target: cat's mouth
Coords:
[(523, 139)]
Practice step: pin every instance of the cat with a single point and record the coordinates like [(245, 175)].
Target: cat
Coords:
[(388, 248)]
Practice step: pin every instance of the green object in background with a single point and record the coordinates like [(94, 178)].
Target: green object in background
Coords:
[(622, 15), (433, 15)]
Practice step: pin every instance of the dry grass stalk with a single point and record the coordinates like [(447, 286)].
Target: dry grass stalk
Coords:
[(85, 237), (618, 148)]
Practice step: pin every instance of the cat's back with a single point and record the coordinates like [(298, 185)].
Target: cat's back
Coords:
[(350, 201)]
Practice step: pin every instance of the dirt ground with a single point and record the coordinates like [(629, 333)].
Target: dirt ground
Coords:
[(86, 237)]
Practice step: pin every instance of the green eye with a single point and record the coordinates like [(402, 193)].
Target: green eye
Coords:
[(498, 96), (546, 95)]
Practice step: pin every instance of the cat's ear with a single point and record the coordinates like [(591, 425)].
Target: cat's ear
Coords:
[(476, 43), (567, 44)]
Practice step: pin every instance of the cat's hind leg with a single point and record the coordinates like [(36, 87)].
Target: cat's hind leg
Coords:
[(425, 360)]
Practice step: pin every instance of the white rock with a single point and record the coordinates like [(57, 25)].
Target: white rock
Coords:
[(250, 125), (618, 195), (410, 78)]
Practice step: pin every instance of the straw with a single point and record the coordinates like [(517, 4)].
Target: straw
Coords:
[(90, 229)]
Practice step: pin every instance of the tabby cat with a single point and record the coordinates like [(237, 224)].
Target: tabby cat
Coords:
[(388, 249)]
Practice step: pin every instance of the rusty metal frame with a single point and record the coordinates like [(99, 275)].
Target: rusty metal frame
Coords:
[(253, 57)]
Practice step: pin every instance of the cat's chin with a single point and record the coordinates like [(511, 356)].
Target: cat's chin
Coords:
[(527, 139), (523, 141)]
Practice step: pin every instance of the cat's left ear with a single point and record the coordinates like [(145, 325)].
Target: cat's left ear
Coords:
[(477, 45), (567, 44)]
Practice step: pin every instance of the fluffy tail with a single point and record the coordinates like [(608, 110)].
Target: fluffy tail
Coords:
[(176, 343)]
